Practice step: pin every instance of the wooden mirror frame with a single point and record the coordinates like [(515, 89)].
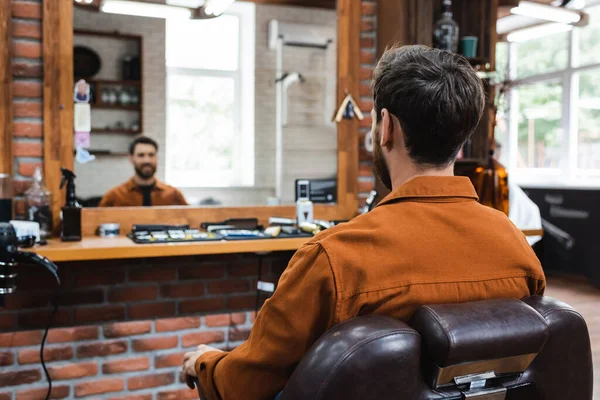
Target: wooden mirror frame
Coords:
[(6, 123), (58, 131)]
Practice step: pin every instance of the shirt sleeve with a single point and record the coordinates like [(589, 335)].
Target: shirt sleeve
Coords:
[(300, 311), (179, 199), (107, 200)]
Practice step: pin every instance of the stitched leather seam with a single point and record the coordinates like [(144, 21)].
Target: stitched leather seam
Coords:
[(352, 349), (445, 329), (546, 314), (542, 319), (554, 310)]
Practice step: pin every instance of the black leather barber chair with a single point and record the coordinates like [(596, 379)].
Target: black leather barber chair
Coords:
[(538, 348)]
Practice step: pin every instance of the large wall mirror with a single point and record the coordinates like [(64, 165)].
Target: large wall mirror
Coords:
[(240, 106)]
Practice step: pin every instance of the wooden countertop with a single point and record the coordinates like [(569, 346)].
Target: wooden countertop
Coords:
[(96, 248)]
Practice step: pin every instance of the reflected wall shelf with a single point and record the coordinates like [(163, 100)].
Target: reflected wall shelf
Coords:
[(110, 130), (106, 153), (115, 107), (100, 85)]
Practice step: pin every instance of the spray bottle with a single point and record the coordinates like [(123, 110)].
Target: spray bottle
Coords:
[(70, 214)]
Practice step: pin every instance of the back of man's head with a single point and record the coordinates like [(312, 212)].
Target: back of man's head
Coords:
[(436, 96)]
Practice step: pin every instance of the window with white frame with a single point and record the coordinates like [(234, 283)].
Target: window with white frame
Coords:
[(210, 100), (550, 129)]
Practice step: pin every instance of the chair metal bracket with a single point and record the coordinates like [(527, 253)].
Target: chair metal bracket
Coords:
[(477, 389)]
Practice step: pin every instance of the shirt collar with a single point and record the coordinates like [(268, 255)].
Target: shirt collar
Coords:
[(432, 187), (131, 185)]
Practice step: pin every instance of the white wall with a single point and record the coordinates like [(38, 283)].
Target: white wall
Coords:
[(309, 139)]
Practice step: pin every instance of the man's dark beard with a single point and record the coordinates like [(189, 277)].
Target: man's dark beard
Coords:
[(139, 170), (381, 168)]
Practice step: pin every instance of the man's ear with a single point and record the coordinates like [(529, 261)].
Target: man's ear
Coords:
[(386, 134)]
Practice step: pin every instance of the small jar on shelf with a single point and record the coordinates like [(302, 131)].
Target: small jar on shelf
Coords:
[(445, 31)]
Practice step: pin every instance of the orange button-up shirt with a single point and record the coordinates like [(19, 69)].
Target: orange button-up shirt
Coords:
[(429, 241), (130, 195)]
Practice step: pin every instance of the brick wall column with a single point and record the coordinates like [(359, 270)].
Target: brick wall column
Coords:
[(27, 92), (368, 26)]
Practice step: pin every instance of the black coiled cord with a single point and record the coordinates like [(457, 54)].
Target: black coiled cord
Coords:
[(48, 326)]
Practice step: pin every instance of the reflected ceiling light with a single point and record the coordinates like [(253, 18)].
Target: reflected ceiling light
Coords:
[(546, 12), (217, 7), (537, 31), (150, 10)]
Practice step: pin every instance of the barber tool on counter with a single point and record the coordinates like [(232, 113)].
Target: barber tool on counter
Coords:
[(70, 214), (109, 230), (231, 229), (312, 227), (281, 228), (148, 234)]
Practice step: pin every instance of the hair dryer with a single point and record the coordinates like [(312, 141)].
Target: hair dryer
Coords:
[(11, 256)]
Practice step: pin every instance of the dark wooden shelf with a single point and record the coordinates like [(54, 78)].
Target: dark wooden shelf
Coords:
[(113, 34), (128, 131), (480, 64), (105, 153), (115, 107), (115, 82)]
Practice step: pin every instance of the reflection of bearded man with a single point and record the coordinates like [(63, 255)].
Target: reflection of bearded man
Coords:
[(143, 189)]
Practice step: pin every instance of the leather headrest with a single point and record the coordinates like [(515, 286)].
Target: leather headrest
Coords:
[(478, 332)]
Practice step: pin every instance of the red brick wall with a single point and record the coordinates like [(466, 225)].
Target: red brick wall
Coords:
[(27, 92), (123, 325), (127, 360), (368, 26), (123, 290)]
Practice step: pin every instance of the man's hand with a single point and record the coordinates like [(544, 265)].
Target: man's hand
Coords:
[(188, 369)]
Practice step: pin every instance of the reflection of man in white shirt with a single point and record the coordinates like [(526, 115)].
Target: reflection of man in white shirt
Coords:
[(522, 211)]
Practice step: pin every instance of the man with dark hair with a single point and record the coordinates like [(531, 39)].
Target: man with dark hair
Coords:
[(429, 241), (143, 189), (429, 100)]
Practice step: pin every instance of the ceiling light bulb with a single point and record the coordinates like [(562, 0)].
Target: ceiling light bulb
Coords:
[(150, 10), (546, 12)]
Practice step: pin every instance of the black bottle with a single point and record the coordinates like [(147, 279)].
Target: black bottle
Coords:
[(445, 31), (70, 214)]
